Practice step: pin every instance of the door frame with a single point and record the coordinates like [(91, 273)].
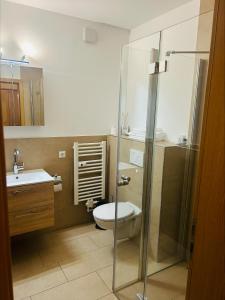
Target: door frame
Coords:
[(6, 291), (206, 275), (206, 279)]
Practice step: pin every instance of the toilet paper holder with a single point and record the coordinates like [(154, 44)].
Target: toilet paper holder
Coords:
[(57, 183)]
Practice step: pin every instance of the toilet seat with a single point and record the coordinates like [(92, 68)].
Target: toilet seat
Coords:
[(106, 212)]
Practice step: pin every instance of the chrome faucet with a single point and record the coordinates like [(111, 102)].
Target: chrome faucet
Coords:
[(17, 165)]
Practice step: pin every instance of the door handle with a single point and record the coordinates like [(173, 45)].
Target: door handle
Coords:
[(125, 180)]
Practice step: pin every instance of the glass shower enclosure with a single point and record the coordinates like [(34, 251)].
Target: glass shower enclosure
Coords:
[(158, 141)]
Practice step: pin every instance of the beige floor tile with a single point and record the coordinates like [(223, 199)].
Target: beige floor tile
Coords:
[(89, 263), (126, 266), (154, 266), (126, 272), (38, 283), (130, 293), (27, 266), (168, 284), (180, 297), (72, 232), (23, 249), (90, 287), (67, 251), (102, 238), (127, 249), (107, 275), (109, 297)]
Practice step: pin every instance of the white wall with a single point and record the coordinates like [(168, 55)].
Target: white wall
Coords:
[(176, 16), (176, 86), (81, 81), (139, 57)]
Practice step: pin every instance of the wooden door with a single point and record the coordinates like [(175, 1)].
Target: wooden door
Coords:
[(207, 269), (10, 101)]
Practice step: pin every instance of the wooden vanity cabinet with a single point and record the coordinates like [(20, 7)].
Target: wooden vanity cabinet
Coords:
[(31, 207)]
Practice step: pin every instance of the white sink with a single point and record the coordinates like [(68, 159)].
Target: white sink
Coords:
[(28, 177)]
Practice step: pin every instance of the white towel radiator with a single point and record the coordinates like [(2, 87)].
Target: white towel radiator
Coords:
[(89, 171)]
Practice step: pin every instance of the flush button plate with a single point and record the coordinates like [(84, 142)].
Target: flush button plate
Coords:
[(136, 157)]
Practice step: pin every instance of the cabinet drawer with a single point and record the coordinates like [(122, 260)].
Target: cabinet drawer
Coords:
[(30, 196), (31, 219), (31, 207)]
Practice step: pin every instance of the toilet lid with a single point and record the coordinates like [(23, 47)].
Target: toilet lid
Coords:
[(106, 212)]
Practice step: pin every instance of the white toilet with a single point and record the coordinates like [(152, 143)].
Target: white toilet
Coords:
[(128, 216)]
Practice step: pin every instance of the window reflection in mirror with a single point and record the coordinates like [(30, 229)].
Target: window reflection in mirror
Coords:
[(21, 94)]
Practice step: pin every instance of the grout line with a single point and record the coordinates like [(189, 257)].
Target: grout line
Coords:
[(113, 295), (58, 265), (104, 282), (48, 289), (102, 268), (67, 279), (95, 271)]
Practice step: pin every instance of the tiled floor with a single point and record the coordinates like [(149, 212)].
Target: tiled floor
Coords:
[(76, 264), (168, 284), (63, 265)]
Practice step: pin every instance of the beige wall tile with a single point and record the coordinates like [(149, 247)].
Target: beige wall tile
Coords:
[(132, 192), (205, 32), (206, 5), (126, 144), (167, 188), (39, 153), (90, 287), (112, 163)]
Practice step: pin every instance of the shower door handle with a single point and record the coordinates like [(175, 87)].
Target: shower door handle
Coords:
[(125, 180)]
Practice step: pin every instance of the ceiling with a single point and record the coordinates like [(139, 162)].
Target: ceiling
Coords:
[(122, 13)]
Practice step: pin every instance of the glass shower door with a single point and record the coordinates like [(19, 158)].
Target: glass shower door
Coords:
[(133, 151), (175, 149), (159, 134)]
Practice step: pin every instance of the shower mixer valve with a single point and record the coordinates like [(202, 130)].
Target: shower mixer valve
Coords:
[(125, 180)]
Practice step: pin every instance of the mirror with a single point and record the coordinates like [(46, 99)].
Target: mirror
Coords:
[(21, 94)]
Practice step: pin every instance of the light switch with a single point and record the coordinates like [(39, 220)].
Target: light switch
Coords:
[(62, 154)]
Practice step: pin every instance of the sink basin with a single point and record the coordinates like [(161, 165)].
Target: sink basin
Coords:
[(28, 177)]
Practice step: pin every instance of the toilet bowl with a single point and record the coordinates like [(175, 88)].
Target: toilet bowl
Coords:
[(128, 218)]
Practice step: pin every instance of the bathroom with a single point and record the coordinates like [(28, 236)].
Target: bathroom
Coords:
[(121, 98)]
